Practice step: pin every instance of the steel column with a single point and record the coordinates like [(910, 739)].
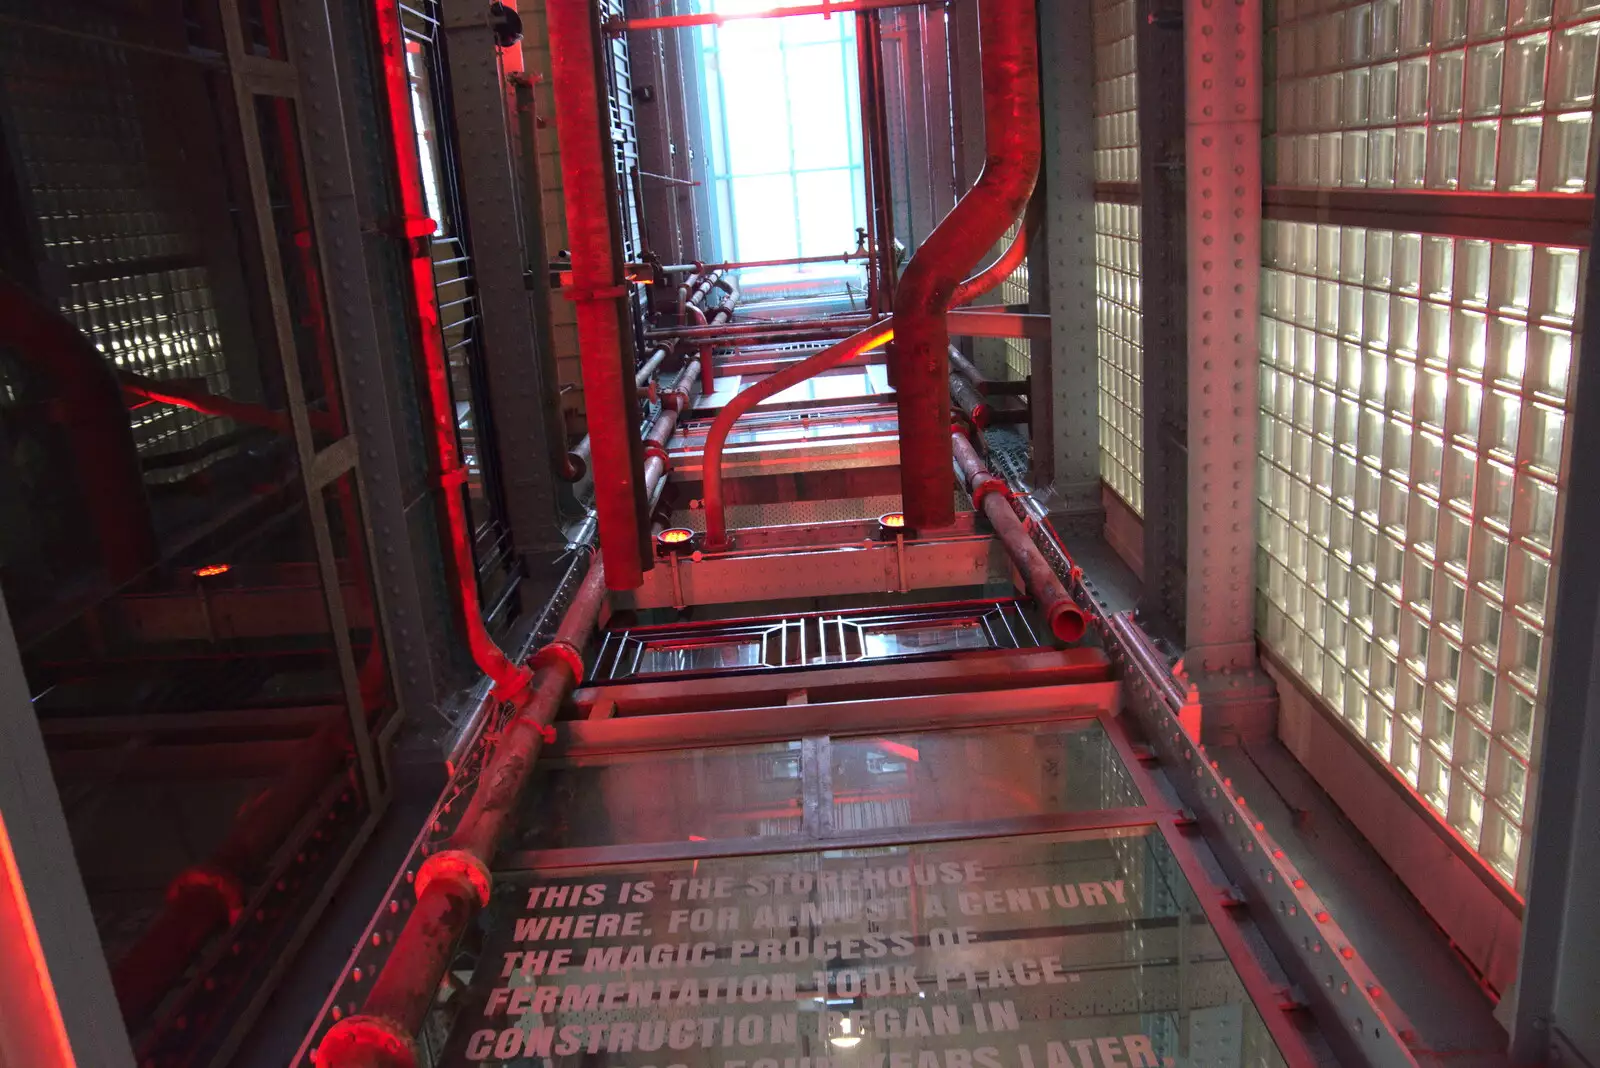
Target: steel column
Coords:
[(598, 289), (487, 174), (1066, 444), (48, 942), (1223, 185), (1164, 284), (339, 219)]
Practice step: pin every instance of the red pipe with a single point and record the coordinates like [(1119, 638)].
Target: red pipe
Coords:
[(583, 123), (509, 678), (967, 369), (989, 492), (1003, 266), (91, 411), (969, 401), (844, 257), (920, 360), (202, 400), (617, 27), (452, 885), (717, 436), (759, 328), (871, 88)]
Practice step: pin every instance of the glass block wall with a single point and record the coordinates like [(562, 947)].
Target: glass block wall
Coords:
[(1432, 94), (1414, 399), (1117, 300), (1116, 217), (1116, 95), (1014, 291)]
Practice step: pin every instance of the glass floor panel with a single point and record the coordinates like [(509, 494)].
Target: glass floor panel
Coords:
[(848, 785), (1067, 950)]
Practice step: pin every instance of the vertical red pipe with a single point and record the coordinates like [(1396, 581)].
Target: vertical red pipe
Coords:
[(598, 290), (920, 360), (509, 678), (864, 98)]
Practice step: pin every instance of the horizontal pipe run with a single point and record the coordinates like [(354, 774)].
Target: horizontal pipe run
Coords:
[(757, 328), (617, 27), (1065, 619), (453, 884), (970, 402), (577, 464), (847, 257)]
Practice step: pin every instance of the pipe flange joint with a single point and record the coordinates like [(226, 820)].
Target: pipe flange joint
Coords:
[(563, 652), (676, 399), (458, 866), (513, 687), (206, 878), (652, 448), (986, 484), (367, 1040)]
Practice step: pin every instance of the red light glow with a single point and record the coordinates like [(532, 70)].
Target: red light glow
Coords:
[(212, 569)]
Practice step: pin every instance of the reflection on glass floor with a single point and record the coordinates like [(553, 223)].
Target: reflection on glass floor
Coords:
[(868, 783)]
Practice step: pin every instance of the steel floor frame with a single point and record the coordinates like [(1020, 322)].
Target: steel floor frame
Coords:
[(1295, 961)]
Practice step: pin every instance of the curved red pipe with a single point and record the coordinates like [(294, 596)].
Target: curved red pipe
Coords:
[(920, 361), (1003, 266), (717, 436)]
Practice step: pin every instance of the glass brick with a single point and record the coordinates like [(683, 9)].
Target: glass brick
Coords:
[(1525, 73), (1556, 273), (1565, 160), (1525, 14), (1519, 155), (1444, 156), (1552, 360), (1485, 66), (1510, 778), (1416, 25), (1412, 90), (1486, 18), (1449, 23), (1478, 143), (1572, 66)]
